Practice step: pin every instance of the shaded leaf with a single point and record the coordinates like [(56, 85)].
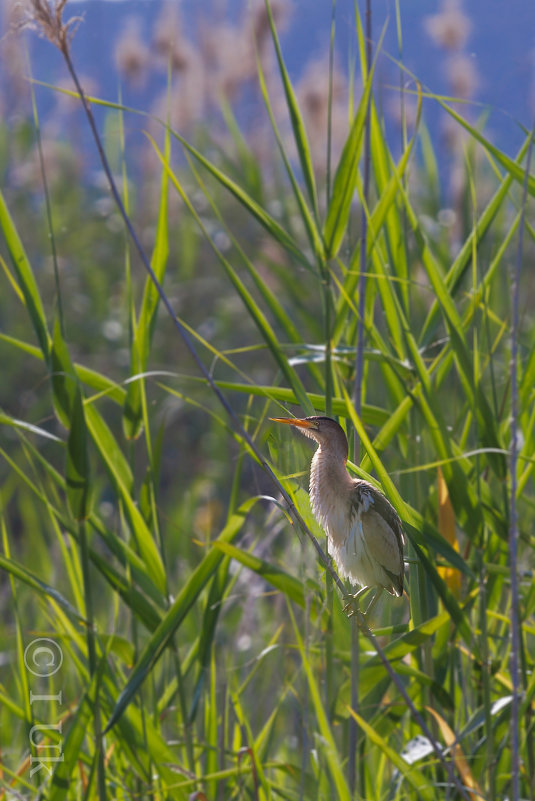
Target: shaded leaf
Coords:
[(77, 467)]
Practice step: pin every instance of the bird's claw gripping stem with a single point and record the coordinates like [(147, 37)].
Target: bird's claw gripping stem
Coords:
[(350, 610)]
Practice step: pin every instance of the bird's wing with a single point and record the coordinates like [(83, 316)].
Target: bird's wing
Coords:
[(382, 529), (383, 545)]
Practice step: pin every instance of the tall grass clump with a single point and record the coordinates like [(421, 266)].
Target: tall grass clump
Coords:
[(172, 625)]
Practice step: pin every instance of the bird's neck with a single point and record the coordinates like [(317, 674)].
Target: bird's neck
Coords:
[(329, 483)]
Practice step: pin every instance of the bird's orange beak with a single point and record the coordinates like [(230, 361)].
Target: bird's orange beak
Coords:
[(293, 421)]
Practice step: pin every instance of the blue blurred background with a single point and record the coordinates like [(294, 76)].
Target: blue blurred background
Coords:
[(498, 50)]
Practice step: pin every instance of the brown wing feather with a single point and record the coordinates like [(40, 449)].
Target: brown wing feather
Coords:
[(384, 533)]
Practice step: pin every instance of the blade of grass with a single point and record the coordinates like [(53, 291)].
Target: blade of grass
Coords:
[(376, 221), (410, 773), (261, 215), (345, 177), (143, 329), (29, 578), (119, 474), (291, 587), (26, 278), (514, 168), (7, 420), (77, 476), (372, 415), (298, 127), (310, 220)]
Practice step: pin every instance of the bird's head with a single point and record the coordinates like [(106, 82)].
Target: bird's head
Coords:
[(325, 431)]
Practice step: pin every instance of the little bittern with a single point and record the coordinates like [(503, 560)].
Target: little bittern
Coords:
[(363, 529)]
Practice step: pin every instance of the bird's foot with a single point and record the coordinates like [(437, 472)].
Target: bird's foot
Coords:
[(353, 605), (349, 609)]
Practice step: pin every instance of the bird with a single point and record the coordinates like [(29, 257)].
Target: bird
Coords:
[(364, 532)]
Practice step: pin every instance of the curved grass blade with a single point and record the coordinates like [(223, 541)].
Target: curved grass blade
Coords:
[(310, 220), (372, 415), (143, 609), (271, 300), (12, 280), (26, 278), (298, 125), (412, 775), (122, 480), (144, 328), (514, 168), (376, 221), (291, 587), (346, 177), (6, 420), (29, 578), (261, 215)]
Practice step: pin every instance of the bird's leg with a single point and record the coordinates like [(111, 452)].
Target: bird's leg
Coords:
[(371, 605), (356, 597)]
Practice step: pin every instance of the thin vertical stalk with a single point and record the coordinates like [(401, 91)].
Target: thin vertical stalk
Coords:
[(327, 335), (135, 633), (401, 76), (485, 674), (482, 538), (330, 104), (88, 597), (513, 519), (92, 656), (48, 207), (328, 317), (19, 639), (306, 704), (359, 362), (357, 397), (353, 764), (329, 590), (406, 289)]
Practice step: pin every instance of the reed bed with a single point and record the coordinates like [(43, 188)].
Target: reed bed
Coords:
[(172, 627)]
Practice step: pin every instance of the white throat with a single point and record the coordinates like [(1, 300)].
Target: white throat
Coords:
[(329, 481)]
